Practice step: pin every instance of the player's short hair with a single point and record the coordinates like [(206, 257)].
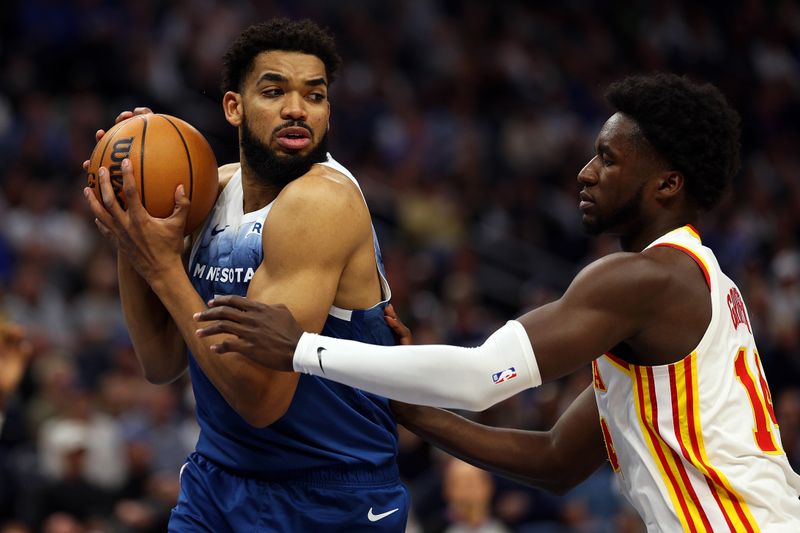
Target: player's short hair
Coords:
[(277, 34), (690, 125)]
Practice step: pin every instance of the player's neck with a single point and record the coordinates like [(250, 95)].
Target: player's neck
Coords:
[(256, 191), (638, 240)]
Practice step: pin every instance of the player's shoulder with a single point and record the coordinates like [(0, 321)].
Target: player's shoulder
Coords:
[(636, 266), (323, 208), (323, 204), (625, 277), (323, 187), (226, 172)]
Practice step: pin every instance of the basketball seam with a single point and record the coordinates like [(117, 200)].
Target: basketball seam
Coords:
[(188, 156), (141, 162)]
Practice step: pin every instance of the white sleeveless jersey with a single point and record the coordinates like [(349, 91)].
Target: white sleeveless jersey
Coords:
[(695, 443)]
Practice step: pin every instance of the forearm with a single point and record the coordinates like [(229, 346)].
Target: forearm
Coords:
[(555, 460), (156, 340), (436, 375), (524, 456), (256, 393)]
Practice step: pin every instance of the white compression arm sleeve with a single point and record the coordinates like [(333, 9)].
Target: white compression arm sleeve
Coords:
[(442, 376)]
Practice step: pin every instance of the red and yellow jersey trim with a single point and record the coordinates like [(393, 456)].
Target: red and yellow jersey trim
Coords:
[(693, 231), (611, 451), (597, 379), (621, 364), (671, 463), (697, 259)]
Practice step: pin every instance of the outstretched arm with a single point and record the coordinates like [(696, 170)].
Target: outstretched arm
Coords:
[(437, 375), (605, 305), (554, 460)]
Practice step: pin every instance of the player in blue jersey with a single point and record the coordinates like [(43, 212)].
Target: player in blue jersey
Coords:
[(277, 451)]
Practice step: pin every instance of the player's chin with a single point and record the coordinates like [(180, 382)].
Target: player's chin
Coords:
[(591, 225)]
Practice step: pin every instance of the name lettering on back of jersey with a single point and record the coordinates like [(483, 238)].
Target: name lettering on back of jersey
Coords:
[(736, 307), (223, 274), (504, 375)]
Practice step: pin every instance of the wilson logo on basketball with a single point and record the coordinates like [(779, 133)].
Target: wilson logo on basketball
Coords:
[(120, 150), (165, 152)]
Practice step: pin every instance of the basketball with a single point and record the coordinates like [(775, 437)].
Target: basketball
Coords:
[(165, 152)]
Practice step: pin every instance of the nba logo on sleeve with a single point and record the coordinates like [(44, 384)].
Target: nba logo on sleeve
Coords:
[(504, 375)]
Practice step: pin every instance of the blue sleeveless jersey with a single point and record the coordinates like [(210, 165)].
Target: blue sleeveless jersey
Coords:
[(327, 425)]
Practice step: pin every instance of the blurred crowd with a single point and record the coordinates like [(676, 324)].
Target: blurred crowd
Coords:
[(466, 123)]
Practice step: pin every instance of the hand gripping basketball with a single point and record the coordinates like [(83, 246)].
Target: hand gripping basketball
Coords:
[(164, 152)]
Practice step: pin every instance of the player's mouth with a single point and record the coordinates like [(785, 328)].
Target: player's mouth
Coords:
[(586, 201), (294, 138)]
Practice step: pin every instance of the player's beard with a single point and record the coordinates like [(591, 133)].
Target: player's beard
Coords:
[(279, 169), (625, 215)]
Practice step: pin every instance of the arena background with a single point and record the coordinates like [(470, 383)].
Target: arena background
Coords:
[(466, 123)]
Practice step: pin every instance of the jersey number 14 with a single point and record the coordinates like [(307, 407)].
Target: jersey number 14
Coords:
[(760, 402)]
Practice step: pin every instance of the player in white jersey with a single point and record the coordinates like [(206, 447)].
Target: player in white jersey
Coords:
[(702, 430), (679, 403)]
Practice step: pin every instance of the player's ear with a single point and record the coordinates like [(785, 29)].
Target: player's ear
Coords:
[(670, 183), (232, 105)]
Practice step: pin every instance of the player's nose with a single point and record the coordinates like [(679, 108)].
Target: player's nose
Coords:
[(294, 107), (588, 174)]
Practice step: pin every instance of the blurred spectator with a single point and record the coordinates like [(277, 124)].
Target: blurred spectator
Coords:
[(70, 491), (468, 493), (35, 303), (99, 436), (156, 424), (787, 411), (15, 353)]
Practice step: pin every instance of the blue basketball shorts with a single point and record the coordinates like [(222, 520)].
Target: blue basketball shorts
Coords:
[(214, 500)]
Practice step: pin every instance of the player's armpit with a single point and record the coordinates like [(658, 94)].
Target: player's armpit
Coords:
[(554, 460)]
